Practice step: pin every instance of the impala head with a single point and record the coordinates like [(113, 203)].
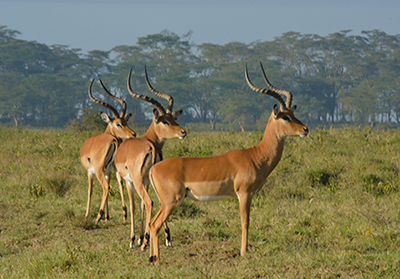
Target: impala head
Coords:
[(167, 126), (164, 121), (282, 117), (287, 124), (117, 125)]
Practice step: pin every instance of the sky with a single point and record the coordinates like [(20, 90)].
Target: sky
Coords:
[(103, 24)]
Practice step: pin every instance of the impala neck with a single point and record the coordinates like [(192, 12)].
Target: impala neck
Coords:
[(269, 151), (154, 137), (110, 131)]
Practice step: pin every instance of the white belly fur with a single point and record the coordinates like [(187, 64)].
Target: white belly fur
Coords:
[(206, 198)]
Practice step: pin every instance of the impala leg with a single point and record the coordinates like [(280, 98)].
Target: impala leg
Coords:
[(148, 205), (167, 235), (90, 191), (105, 185), (121, 190), (106, 209), (108, 178), (158, 220), (141, 238), (154, 229), (170, 196), (129, 187), (244, 203), (155, 226)]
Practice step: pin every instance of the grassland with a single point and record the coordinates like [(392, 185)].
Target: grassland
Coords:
[(330, 209)]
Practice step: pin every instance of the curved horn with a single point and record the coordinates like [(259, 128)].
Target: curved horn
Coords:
[(113, 110), (161, 95), (265, 91), (142, 97), (285, 93), (115, 98)]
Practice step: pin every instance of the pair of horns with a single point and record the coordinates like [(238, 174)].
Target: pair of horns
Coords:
[(155, 92), (134, 95), (272, 91), (148, 99), (111, 108)]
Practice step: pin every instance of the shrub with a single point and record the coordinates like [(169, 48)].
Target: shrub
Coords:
[(323, 177), (58, 183), (377, 186)]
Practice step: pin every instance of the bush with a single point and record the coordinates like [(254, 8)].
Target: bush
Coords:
[(90, 120), (57, 183), (323, 177), (377, 186)]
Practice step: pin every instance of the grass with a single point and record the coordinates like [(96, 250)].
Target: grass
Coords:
[(330, 209)]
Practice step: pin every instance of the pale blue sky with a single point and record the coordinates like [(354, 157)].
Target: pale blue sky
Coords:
[(104, 24)]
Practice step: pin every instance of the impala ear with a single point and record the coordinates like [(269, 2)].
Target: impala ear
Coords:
[(176, 114), (156, 115), (105, 117), (128, 116), (276, 110), (294, 108)]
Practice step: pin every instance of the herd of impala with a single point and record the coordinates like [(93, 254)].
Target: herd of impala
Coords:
[(139, 161)]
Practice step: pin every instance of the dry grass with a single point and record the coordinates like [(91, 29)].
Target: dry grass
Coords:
[(330, 209)]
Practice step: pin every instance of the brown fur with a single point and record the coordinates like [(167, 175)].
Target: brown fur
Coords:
[(235, 174)]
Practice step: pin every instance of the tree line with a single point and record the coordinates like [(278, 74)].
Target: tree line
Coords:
[(339, 79)]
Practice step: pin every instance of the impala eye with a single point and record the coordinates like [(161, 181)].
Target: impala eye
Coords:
[(166, 122), (287, 118), (119, 125)]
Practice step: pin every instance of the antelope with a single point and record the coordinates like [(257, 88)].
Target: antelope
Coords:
[(135, 156), (235, 174), (98, 151)]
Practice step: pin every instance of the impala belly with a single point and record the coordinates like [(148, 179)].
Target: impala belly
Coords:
[(210, 191), (206, 198)]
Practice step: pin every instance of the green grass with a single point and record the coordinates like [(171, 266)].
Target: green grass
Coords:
[(330, 209)]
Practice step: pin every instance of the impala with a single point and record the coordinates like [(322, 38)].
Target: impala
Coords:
[(135, 156), (235, 174), (97, 152)]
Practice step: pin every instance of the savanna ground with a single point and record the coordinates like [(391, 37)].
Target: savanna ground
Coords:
[(330, 209)]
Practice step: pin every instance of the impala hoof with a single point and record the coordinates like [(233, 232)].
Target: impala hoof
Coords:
[(99, 216), (152, 259), (140, 241), (132, 244)]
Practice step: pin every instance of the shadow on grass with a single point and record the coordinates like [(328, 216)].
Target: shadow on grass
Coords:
[(85, 224)]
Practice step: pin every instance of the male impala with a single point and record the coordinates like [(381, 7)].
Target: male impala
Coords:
[(235, 174), (135, 156), (97, 153)]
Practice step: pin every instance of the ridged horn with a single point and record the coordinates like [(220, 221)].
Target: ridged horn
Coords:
[(115, 98), (159, 94), (265, 91), (142, 97), (285, 93), (112, 109)]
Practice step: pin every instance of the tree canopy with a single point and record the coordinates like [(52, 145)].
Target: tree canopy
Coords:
[(337, 79)]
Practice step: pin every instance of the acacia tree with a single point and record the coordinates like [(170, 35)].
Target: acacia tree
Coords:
[(47, 85), (222, 68), (167, 57), (386, 50), (40, 85)]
